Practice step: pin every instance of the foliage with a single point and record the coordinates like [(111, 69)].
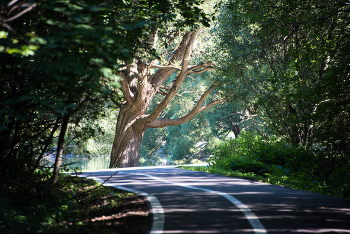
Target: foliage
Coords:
[(289, 60), (57, 65), (197, 138), (273, 160), (92, 137), (70, 208)]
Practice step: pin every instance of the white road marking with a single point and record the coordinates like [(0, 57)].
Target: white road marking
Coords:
[(156, 208), (158, 212), (252, 218)]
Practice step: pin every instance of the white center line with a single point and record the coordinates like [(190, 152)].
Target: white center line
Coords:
[(252, 218), (158, 212)]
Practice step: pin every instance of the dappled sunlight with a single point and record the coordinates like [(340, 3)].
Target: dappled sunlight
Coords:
[(323, 230), (297, 217), (345, 210), (196, 202)]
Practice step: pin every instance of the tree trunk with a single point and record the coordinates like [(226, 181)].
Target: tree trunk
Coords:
[(127, 154), (60, 145), (127, 140)]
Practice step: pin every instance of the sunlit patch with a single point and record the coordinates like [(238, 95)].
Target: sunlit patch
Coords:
[(250, 216)]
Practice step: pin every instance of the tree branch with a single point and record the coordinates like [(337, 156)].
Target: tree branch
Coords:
[(200, 68), (160, 123), (154, 37), (162, 92), (201, 71), (163, 74), (164, 67), (164, 87), (177, 83), (187, 55), (128, 95), (21, 13)]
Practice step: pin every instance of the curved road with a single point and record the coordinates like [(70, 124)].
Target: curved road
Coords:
[(196, 202)]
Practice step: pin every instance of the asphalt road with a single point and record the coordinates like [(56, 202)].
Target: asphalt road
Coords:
[(196, 202)]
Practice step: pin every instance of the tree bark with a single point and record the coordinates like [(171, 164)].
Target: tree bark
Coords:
[(127, 141), (128, 154), (60, 144)]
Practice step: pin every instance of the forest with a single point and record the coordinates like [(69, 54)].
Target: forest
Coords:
[(258, 89)]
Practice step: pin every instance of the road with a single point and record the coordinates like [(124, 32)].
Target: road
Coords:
[(196, 202)]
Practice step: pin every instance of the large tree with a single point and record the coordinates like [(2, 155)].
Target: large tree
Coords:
[(139, 86)]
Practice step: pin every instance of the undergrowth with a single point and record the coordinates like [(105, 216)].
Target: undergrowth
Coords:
[(272, 160), (75, 205)]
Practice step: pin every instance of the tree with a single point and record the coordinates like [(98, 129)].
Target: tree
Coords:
[(56, 68), (139, 87), (284, 59)]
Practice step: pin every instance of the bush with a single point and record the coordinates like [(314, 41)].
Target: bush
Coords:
[(249, 165), (258, 151), (314, 169)]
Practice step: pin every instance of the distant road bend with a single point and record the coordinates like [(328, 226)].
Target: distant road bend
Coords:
[(196, 202)]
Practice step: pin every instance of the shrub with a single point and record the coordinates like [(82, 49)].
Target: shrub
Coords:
[(314, 169)]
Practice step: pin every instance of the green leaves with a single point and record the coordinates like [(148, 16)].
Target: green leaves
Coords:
[(60, 59), (275, 161), (280, 56)]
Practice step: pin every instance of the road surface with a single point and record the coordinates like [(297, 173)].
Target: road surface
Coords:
[(196, 202)]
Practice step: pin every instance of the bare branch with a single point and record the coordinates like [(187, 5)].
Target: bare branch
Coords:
[(160, 123), (162, 92), (184, 92), (164, 74), (154, 37), (21, 13), (164, 67), (177, 83), (201, 68), (202, 71), (164, 87), (12, 2), (187, 56)]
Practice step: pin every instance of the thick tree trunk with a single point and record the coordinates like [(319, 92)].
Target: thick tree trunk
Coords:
[(127, 141), (128, 154)]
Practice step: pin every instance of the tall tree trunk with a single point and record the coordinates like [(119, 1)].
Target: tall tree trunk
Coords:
[(127, 154), (60, 145), (127, 140)]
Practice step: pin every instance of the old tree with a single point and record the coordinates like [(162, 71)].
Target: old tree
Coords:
[(141, 81)]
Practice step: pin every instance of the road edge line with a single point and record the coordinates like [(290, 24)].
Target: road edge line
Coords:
[(154, 204)]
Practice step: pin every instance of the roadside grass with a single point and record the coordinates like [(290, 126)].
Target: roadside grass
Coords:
[(76, 205), (273, 161)]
